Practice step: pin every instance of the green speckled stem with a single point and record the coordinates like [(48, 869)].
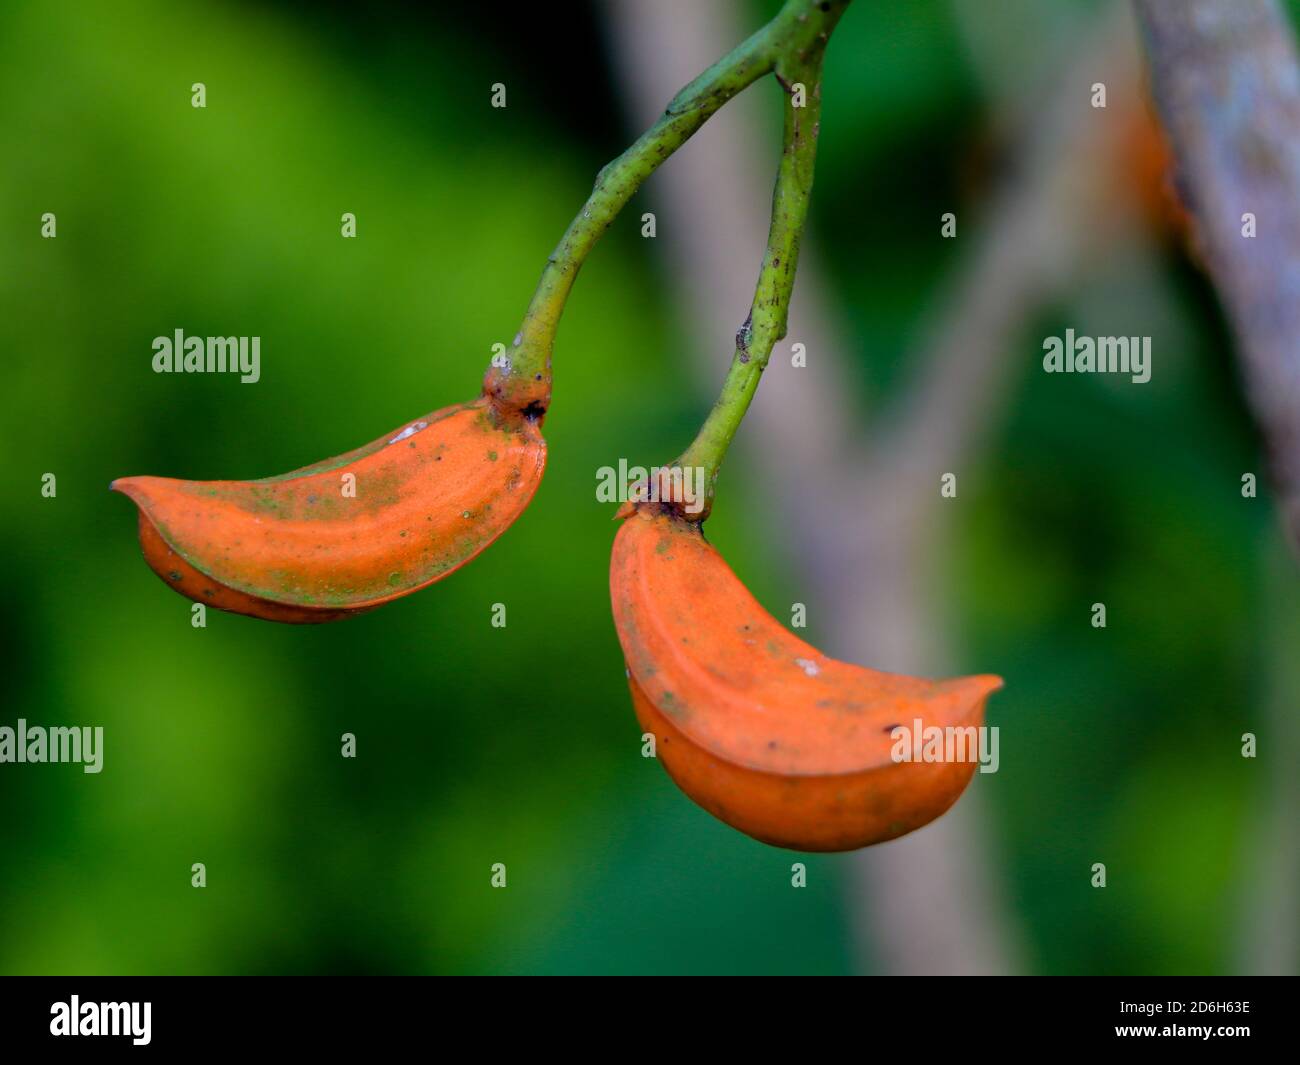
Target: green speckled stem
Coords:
[(766, 323), (785, 45)]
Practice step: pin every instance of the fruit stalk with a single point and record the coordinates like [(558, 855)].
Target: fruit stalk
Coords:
[(766, 323), (785, 45)]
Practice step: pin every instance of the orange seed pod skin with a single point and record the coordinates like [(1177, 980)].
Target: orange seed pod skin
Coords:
[(759, 727), (317, 544)]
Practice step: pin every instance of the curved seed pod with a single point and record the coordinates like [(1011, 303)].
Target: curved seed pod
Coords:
[(350, 533), (757, 726)]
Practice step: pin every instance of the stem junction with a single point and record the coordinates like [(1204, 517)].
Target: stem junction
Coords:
[(791, 45)]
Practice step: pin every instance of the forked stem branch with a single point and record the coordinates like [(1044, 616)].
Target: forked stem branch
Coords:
[(800, 76), (522, 383)]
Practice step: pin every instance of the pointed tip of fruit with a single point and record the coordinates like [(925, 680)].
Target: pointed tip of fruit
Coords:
[(625, 511), (975, 688), (127, 486)]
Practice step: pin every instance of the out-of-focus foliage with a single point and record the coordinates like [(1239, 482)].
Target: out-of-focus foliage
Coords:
[(518, 745)]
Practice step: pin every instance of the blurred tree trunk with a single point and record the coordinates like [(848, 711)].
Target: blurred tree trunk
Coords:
[(1227, 82)]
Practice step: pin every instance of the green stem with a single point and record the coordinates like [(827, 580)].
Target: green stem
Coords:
[(799, 30), (766, 323)]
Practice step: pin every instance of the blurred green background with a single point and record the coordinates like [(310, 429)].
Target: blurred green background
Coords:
[(476, 744)]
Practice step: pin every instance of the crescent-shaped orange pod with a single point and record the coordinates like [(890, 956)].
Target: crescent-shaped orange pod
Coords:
[(760, 728), (348, 534)]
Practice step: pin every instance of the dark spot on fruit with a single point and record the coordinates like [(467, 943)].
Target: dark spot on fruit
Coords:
[(890, 728), (174, 575)]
